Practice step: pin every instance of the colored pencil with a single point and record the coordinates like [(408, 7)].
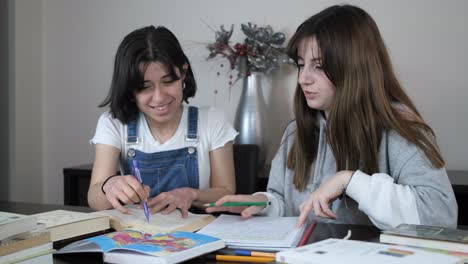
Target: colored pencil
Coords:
[(239, 204), (138, 176), (245, 252), (241, 258)]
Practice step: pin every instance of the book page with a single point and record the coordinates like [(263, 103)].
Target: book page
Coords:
[(62, 217), (13, 224), (255, 231), (6, 217), (158, 222), (153, 244), (359, 252)]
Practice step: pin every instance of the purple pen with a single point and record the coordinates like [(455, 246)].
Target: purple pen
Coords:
[(138, 176)]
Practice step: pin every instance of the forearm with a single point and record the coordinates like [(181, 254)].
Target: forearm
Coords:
[(211, 195), (97, 199), (377, 195), (276, 207)]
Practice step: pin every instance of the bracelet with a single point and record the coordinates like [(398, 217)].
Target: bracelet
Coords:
[(102, 186)]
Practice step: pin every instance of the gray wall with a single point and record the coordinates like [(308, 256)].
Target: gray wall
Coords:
[(64, 54), (4, 111), (26, 99)]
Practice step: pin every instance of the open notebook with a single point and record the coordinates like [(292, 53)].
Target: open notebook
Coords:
[(259, 232), (158, 223)]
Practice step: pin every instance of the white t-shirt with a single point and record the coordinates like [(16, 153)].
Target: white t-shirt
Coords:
[(214, 131)]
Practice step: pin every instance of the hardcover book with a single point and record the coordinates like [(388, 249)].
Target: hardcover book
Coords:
[(427, 236), (63, 224), (132, 246)]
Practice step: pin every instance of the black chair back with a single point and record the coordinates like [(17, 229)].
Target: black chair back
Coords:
[(246, 167)]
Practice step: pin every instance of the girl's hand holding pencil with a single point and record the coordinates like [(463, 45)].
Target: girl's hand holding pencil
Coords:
[(246, 205), (125, 189)]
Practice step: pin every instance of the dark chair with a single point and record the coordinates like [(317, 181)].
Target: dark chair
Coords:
[(246, 168)]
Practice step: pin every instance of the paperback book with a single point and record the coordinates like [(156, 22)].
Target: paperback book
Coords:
[(35, 254), (23, 241), (158, 223), (133, 246), (63, 224)]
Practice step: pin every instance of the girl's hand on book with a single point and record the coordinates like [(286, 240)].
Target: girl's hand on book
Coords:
[(126, 189), (167, 202), (320, 199), (245, 211)]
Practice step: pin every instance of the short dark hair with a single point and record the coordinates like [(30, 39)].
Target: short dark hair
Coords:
[(135, 52)]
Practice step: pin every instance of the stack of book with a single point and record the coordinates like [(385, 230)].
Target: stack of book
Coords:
[(23, 239), (31, 239), (423, 236)]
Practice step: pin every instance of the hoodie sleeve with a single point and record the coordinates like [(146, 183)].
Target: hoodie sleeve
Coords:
[(277, 181), (415, 193)]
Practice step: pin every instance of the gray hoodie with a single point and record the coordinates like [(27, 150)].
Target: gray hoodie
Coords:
[(407, 188)]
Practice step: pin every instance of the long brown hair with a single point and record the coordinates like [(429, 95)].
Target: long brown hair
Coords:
[(368, 100)]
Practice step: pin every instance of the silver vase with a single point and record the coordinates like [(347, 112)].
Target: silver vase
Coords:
[(251, 119)]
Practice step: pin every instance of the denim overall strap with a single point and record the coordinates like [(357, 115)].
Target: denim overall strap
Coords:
[(132, 137), (167, 170), (192, 124)]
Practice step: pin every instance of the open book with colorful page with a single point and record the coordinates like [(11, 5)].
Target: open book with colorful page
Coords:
[(158, 223), (131, 246)]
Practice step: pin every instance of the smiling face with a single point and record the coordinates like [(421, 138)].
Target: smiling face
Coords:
[(160, 99), (317, 88)]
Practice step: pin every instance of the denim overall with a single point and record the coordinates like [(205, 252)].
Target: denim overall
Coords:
[(166, 170)]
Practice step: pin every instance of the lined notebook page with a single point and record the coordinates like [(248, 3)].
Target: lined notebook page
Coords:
[(259, 231)]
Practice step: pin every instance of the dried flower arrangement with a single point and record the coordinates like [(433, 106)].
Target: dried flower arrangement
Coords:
[(261, 50)]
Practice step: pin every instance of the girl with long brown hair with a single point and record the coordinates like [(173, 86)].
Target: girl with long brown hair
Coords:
[(356, 135)]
